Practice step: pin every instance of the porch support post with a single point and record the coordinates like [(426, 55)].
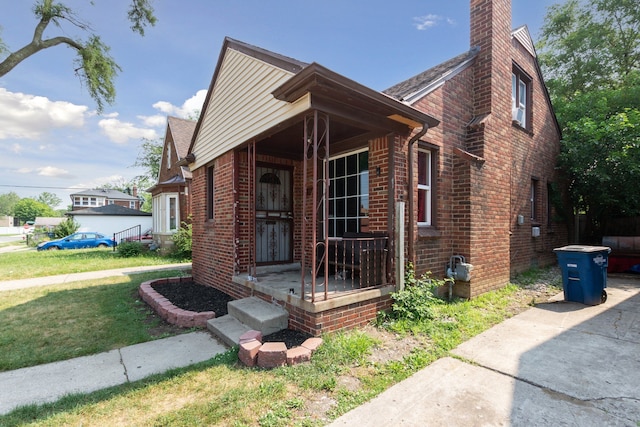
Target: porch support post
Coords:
[(315, 235), (251, 173), (399, 237)]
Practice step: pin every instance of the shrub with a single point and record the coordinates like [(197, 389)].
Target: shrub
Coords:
[(182, 241), (416, 300), (65, 228), (130, 249)]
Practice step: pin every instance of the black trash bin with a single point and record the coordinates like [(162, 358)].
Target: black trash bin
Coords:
[(584, 273)]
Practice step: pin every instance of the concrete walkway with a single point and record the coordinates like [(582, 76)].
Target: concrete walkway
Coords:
[(50, 382), (557, 364), (8, 285)]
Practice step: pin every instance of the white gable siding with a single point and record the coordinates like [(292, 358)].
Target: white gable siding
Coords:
[(241, 105)]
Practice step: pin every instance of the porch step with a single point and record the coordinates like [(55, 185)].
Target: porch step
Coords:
[(228, 329), (247, 314)]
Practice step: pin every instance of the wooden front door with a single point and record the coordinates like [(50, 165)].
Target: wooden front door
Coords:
[(274, 215)]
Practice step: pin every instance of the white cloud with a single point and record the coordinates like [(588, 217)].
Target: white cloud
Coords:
[(48, 171), (157, 120), (54, 172), (189, 108), (24, 116), (16, 148), (431, 20), (120, 132)]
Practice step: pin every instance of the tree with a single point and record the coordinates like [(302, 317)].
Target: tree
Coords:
[(149, 159), (29, 209), (96, 68), (590, 55), (8, 202), (593, 45), (49, 199)]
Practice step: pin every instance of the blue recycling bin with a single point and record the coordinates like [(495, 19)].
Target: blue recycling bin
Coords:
[(584, 273)]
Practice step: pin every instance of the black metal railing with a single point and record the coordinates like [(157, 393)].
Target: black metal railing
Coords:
[(133, 234), (359, 258)]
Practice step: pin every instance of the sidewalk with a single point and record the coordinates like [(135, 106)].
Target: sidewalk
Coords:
[(561, 363), (8, 285), (50, 382)]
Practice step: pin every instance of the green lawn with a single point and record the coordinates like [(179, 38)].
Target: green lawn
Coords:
[(57, 322), (31, 263), (345, 372)]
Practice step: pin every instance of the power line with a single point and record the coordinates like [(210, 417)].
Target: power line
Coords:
[(43, 187)]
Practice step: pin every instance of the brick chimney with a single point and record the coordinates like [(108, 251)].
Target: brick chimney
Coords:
[(491, 31), (135, 191)]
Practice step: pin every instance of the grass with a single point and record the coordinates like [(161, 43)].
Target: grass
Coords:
[(341, 375), (26, 264), (50, 323)]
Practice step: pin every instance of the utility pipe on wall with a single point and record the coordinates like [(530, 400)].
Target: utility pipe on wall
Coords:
[(412, 222)]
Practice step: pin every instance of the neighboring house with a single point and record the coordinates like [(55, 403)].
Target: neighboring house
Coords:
[(313, 191), (171, 195), (111, 219), (103, 197), (49, 223)]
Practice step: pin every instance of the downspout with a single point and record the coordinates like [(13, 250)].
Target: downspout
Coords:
[(412, 222)]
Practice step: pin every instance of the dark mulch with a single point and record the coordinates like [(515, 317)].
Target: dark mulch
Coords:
[(191, 296)]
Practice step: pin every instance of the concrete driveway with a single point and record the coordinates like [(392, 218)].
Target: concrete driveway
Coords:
[(557, 364)]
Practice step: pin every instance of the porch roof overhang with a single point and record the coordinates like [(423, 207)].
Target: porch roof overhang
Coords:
[(357, 113), (351, 100)]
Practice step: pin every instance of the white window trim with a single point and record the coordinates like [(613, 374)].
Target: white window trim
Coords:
[(427, 189), (168, 212), (519, 105), (342, 155)]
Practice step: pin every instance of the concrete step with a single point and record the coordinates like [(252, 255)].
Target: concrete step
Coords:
[(248, 314), (228, 329), (259, 315)]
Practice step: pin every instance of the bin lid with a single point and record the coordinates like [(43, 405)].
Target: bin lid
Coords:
[(583, 248)]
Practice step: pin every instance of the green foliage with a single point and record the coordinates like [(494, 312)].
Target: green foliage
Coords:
[(588, 46), (8, 202), (417, 299), (65, 228), (130, 249), (29, 209), (182, 241), (49, 199), (98, 71), (94, 65)]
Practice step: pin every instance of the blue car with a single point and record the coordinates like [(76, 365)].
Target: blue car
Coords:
[(80, 240)]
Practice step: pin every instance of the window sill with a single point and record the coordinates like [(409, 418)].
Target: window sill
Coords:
[(428, 232), (516, 125), (209, 224)]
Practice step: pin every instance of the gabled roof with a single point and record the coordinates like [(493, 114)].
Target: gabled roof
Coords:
[(112, 210), (524, 37), (425, 82), (256, 94), (103, 192), (182, 131)]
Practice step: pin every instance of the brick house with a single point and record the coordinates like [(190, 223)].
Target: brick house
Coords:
[(313, 191), (103, 197), (171, 194)]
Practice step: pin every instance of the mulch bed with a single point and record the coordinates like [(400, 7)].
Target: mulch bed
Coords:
[(193, 297)]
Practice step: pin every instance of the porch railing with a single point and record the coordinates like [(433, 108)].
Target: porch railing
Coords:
[(130, 234), (358, 260)]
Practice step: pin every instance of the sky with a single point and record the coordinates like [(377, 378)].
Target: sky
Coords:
[(52, 140)]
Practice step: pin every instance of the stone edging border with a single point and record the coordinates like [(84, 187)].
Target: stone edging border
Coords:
[(253, 352), (168, 311)]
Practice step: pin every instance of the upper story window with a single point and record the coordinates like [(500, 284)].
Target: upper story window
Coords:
[(521, 98), (168, 157), (132, 204), (88, 201)]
